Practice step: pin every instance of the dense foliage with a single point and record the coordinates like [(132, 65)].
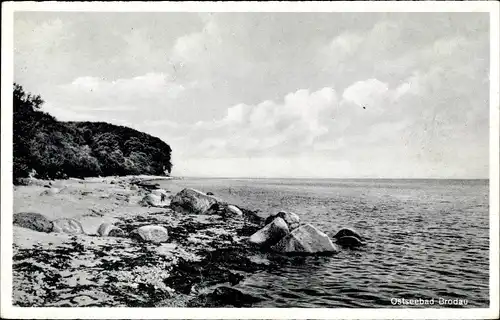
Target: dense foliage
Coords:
[(55, 149)]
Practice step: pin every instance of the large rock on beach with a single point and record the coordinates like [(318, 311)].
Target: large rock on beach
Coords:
[(153, 200), (306, 239), (32, 220), (292, 220), (151, 233), (110, 230), (67, 225), (193, 201), (270, 234)]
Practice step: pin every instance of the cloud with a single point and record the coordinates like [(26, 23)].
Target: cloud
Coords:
[(368, 92), (91, 94), (247, 86), (268, 127)]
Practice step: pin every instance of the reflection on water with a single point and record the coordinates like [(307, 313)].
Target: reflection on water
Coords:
[(426, 239)]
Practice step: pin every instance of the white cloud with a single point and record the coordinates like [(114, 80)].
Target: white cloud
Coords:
[(366, 93), (270, 127), (151, 92), (422, 79)]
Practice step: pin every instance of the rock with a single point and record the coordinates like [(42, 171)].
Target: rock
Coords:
[(109, 230), (210, 193), (134, 187), (347, 232), (224, 295), (291, 219), (224, 210), (151, 233), (192, 201), (152, 200), (161, 193), (350, 242), (253, 217), (148, 185), (50, 192), (32, 220), (67, 225), (306, 239), (233, 210), (270, 234)]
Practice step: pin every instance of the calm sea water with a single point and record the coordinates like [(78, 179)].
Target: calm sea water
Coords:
[(426, 239)]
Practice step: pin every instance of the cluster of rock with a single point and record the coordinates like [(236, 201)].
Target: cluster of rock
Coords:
[(38, 222), (186, 201), (284, 233)]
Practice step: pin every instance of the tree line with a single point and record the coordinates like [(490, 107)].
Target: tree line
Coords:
[(53, 149)]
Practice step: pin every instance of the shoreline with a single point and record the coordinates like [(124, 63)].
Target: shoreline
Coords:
[(203, 253)]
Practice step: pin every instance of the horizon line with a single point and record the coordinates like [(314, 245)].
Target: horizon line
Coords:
[(325, 178)]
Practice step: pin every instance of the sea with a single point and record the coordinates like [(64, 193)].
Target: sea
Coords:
[(426, 239)]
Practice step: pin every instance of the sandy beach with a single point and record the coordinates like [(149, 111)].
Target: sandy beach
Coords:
[(86, 269)]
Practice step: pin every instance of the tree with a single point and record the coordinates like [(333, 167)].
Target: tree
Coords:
[(79, 149)]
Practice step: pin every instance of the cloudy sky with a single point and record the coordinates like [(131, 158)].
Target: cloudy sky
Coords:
[(400, 95)]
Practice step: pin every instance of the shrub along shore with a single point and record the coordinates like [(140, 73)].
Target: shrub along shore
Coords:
[(122, 241)]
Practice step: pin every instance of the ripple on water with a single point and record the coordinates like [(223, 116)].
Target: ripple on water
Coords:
[(425, 238)]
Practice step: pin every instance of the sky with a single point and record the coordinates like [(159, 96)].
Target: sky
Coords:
[(318, 95)]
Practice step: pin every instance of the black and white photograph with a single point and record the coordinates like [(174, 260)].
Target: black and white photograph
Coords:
[(250, 156)]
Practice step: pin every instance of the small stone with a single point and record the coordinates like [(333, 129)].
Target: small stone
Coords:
[(109, 230), (151, 233), (67, 225), (50, 192)]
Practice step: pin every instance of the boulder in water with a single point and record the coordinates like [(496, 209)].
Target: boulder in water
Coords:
[(347, 232), (32, 220), (192, 201), (292, 220), (306, 239), (67, 225), (151, 233), (350, 242), (270, 234), (109, 230)]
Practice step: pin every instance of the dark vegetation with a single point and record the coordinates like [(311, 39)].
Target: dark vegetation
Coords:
[(55, 149)]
